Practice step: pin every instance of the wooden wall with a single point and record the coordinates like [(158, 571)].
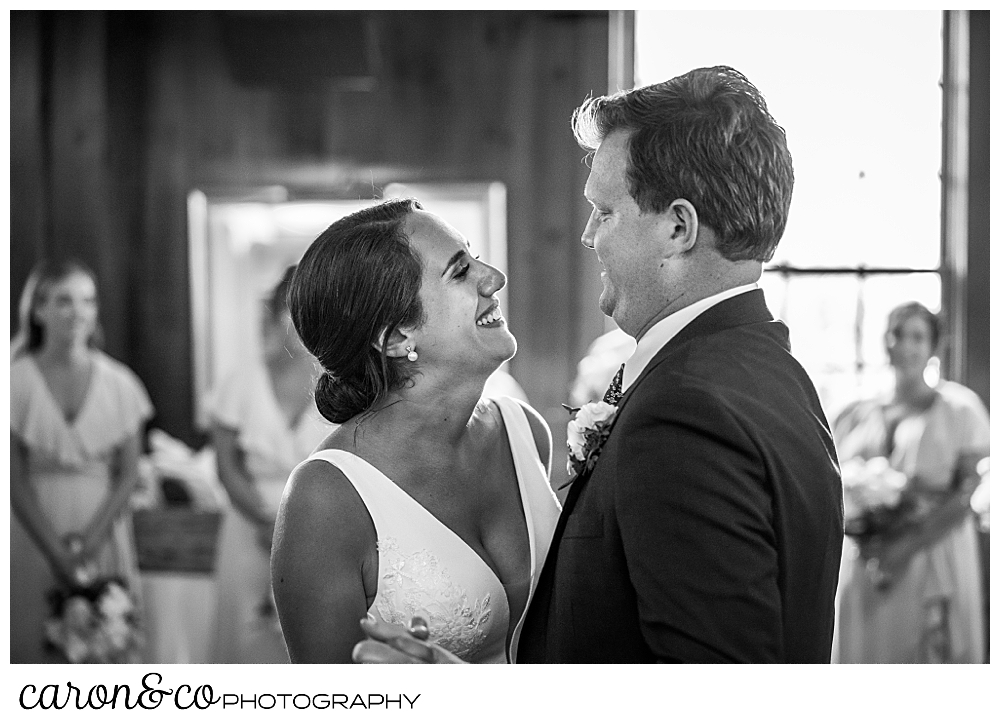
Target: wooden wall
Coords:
[(976, 341), (117, 116)]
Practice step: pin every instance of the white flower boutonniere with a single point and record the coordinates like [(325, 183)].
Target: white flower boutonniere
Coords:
[(585, 435)]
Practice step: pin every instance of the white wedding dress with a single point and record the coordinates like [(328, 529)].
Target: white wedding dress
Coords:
[(425, 569)]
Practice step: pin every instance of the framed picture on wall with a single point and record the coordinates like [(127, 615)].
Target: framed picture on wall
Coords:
[(241, 244)]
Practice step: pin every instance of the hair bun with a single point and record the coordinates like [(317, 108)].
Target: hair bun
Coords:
[(359, 276), (339, 399)]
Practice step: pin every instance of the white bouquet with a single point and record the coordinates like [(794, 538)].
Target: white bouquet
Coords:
[(875, 497), (96, 623)]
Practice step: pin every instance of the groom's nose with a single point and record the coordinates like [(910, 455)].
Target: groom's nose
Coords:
[(587, 239)]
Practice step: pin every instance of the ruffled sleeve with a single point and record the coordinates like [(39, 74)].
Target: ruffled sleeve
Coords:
[(244, 401), (227, 404), (28, 420), (119, 409), (116, 407), (970, 420)]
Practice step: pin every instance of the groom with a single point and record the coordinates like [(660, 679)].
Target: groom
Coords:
[(710, 527)]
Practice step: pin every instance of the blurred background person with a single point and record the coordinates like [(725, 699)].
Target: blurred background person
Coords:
[(599, 366), (502, 384), (76, 424), (916, 597), (264, 422)]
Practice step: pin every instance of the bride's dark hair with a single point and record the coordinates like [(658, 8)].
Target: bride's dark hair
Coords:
[(359, 278)]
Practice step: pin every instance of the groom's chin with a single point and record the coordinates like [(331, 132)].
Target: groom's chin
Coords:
[(607, 305)]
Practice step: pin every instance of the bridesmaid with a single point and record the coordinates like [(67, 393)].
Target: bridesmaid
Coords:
[(916, 598), (76, 424), (264, 422)]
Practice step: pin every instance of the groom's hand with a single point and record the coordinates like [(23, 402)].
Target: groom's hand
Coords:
[(392, 644)]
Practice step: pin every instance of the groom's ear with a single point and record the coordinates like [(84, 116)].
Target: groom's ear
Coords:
[(395, 342), (680, 227)]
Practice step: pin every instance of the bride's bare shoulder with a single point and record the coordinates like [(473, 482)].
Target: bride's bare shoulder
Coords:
[(320, 497)]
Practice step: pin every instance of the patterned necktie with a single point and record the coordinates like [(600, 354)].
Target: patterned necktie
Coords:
[(614, 392)]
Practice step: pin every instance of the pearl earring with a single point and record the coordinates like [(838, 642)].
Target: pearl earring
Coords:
[(411, 354)]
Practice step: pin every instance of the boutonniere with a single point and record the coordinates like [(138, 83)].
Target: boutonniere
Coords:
[(585, 436)]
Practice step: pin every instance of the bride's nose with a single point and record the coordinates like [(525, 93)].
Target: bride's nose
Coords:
[(493, 280)]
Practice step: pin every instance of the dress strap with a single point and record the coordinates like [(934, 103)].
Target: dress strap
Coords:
[(515, 419), (382, 497), (541, 508)]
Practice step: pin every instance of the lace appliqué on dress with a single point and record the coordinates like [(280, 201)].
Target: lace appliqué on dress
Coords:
[(417, 584)]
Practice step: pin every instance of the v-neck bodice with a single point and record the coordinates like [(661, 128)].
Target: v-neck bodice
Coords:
[(425, 568), (115, 407), (69, 416)]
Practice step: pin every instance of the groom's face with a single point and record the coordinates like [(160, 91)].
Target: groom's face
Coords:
[(627, 241)]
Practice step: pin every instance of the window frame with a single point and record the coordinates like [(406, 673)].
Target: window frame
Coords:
[(954, 175)]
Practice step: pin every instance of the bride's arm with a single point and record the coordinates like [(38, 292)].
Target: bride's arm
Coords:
[(323, 554)]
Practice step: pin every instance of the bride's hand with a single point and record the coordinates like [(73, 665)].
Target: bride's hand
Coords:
[(392, 644)]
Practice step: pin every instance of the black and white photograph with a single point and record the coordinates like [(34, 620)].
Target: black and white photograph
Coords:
[(566, 335)]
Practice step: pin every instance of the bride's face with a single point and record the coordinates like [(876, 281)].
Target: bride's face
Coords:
[(463, 324)]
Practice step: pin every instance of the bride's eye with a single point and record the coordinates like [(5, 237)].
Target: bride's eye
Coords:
[(462, 272)]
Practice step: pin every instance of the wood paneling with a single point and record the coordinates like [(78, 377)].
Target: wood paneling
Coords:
[(78, 173), (117, 116), (977, 341), (28, 190)]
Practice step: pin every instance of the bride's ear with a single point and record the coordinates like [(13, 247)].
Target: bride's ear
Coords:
[(398, 340)]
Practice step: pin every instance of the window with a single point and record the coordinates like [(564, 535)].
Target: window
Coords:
[(859, 95)]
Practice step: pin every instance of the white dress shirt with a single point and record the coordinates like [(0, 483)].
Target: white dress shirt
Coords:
[(667, 328)]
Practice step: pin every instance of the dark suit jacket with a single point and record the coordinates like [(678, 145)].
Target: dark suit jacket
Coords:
[(711, 527)]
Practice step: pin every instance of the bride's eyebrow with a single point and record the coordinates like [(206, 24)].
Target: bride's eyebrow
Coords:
[(454, 260)]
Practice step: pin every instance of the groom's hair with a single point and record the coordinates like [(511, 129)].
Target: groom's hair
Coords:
[(705, 136), (359, 279)]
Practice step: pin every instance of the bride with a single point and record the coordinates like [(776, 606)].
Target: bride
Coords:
[(427, 501)]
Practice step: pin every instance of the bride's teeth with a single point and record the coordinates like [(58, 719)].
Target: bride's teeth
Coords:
[(493, 316)]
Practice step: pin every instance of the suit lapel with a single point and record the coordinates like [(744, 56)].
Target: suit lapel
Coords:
[(747, 308)]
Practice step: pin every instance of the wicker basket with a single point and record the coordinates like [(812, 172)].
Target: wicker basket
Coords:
[(177, 540)]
